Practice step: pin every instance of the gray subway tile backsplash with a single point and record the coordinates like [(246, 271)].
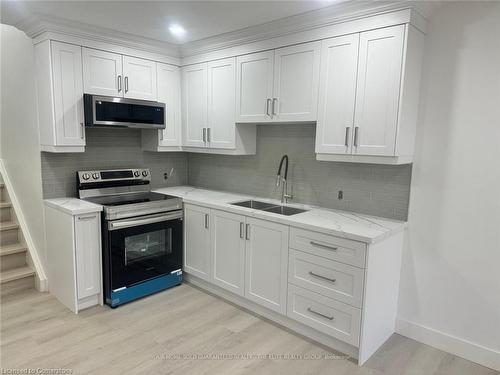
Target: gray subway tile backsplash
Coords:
[(381, 190)]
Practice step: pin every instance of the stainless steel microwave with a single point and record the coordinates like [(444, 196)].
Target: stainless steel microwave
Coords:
[(107, 111)]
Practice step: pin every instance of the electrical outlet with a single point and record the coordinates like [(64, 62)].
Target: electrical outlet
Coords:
[(340, 195)]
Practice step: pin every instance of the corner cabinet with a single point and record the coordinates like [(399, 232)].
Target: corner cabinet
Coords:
[(74, 257), (60, 96), (368, 96), (279, 85)]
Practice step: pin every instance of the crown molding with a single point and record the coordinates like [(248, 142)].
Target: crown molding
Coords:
[(37, 25), (332, 15)]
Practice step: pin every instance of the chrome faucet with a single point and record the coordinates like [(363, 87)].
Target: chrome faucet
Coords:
[(283, 179)]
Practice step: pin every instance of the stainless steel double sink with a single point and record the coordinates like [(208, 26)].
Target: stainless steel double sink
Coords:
[(269, 207)]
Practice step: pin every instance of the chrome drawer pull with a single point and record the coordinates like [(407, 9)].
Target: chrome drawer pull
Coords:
[(319, 314), (323, 246), (322, 277)]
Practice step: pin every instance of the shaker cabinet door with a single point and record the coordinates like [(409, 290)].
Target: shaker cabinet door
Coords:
[(139, 78), (378, 89), (197, 241), (102, 72), (194, 113), (337, 91)]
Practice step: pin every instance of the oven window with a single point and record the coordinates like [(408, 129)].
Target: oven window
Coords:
[(146, 245)]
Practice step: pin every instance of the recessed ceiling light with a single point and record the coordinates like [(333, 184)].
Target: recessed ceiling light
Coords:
[(177, 30)]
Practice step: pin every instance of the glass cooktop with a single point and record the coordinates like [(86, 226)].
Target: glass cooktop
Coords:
[(123, 199)]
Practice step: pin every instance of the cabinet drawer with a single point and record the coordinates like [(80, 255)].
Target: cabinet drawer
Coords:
[(327, 277), (324, 314), (327, 246)]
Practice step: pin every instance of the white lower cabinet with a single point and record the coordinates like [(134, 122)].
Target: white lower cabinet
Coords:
[(228, 250), (197, 241), (74, 257), (340, 292), (266, 263)]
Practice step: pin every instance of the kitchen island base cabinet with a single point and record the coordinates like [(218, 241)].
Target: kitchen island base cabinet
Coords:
[(74, 258)]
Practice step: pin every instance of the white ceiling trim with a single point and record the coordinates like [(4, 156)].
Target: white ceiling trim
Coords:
[(36, 25), (41, 27), (342, 12)]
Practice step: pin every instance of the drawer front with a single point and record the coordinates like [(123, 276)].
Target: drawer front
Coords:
[(331, 247), (327, 277), (324, 314)]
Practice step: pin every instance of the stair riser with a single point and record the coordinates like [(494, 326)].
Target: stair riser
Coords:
[(3, 195), (5, 214), (8, 237), (16, 286), (11, 261)]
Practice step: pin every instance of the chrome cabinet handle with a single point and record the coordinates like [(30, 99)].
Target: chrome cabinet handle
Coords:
[(247, 235), (347, 131), (206, 221), (161, 135), (322, 277), (204, 135), (126, 84), (82, 127), (273, 112), (242, 229), (82, 218), (356, 134), (208, 135), (320, 314), (317, 244), (267, 106), (119, 83)]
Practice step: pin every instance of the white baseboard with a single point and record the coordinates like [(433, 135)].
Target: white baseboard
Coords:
[(448, 343)]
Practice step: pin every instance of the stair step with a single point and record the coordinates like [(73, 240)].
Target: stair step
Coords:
[(15, 274), (5, 204), (8, 225), (12, 249)]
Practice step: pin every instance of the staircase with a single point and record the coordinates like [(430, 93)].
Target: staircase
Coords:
[(15, 272)]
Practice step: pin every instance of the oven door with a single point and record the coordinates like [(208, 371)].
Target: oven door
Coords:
[(142, 248)]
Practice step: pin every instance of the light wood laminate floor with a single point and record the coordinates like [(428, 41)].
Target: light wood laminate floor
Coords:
[(152, 335)]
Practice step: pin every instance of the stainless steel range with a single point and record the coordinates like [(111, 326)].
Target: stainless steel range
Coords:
[(141, 233)]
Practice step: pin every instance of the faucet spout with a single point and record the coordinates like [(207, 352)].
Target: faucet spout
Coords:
[(283, 178)]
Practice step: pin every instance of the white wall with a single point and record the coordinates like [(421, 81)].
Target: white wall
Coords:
[(450, 281), (19, 144)]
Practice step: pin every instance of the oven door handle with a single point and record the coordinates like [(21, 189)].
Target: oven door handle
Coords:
[(120, 224)]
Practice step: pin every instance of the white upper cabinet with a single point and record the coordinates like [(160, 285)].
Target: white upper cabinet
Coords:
[(194, 95), (139, 78), (369, 114), (60, 96), (169, 91), (337, 91), (254, 87), (102, 72), (112, 74), (228, 250), (296, 81), (266, 263), (377, 94), (279, 85), (221, 103)]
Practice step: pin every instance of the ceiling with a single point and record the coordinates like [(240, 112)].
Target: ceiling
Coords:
[(151, 19)]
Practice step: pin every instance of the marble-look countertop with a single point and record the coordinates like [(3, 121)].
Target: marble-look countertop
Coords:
[(350, 225), (73, 206)]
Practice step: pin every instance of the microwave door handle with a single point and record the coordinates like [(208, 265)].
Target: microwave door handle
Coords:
[(143, 221)]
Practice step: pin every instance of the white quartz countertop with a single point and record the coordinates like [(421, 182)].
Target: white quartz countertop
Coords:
[(353, 226), (73, 206)]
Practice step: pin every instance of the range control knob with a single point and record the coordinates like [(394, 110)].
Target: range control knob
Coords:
[(86, 176), (137, 173), (95, 176), (144, 173)]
